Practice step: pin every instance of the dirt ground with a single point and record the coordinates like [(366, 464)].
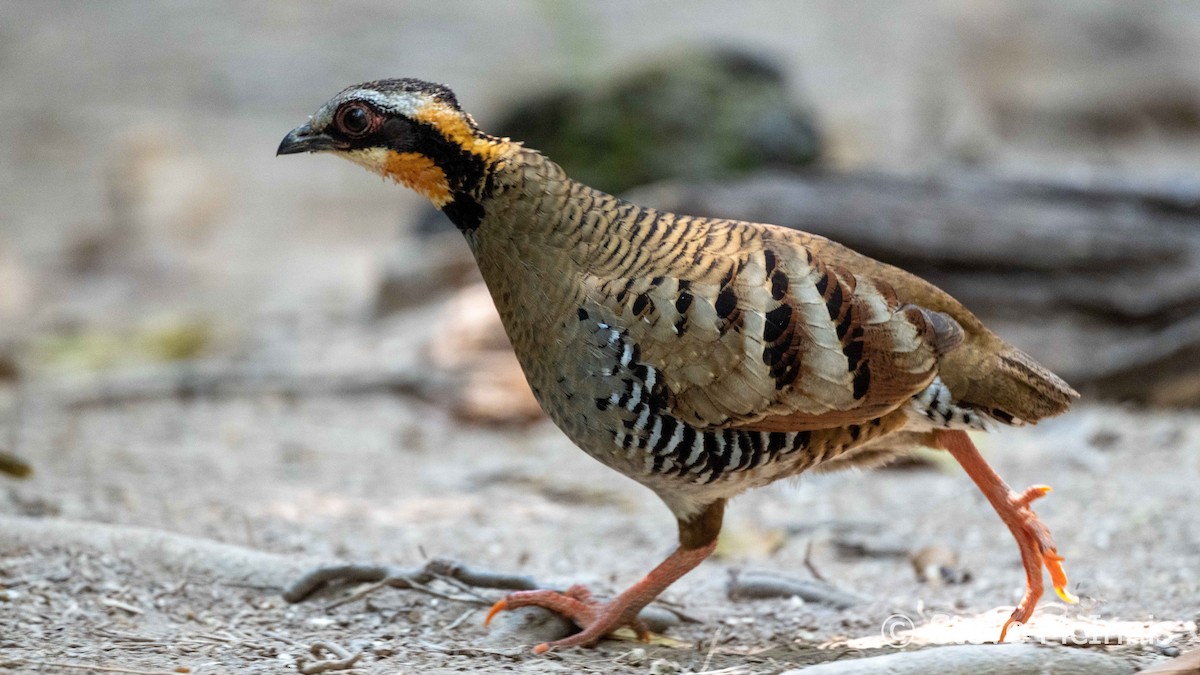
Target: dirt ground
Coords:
[(94, 570), (143, 217)]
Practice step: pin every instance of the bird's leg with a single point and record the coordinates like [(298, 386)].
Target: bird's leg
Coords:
[(1032, 535), (697, 539)]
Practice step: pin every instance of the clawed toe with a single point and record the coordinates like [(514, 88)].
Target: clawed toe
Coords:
[(596, 619), (1037, 551), (576, 604), (1038, 531), (1031, 493)]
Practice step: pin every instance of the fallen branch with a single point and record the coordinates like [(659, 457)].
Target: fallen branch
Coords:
[(810, 565), (452, 569), (384, 575), (758, 586), (656, 618)]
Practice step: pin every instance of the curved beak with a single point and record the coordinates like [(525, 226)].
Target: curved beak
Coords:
[(304, 139)]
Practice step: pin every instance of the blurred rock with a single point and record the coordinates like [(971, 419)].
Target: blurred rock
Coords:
[(743, 540), (527, 626), (700, 113), (14, 466), (10, 370), (937, 565), (471, 346)]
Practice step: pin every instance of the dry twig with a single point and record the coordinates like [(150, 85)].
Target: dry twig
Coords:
[(810, 566), (342, 659), (712, 647), (458, 622), (756, 586), (123, 606)]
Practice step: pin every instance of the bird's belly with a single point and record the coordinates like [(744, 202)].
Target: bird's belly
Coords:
[(616, 408)]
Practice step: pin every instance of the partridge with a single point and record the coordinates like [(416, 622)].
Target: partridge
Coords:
[(700, 357)]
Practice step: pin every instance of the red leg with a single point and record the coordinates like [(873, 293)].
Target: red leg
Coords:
[(698, 538), (1032, 535)]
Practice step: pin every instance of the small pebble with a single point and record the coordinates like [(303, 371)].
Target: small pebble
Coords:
[(527, 626), (938, 565), (664, 667), (658, 619)]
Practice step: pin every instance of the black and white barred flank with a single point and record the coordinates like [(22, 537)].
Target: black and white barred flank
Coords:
[(669, 445), (935, 407)]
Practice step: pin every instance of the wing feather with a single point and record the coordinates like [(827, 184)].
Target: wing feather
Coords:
[(768, 329)]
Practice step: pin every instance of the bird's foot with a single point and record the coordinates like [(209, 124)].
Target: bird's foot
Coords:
[(1032, 535), (697, 539), (597, 619), (1037, 550)]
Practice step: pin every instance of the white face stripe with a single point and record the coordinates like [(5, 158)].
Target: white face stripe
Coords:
[(372, 159), (405, 103)]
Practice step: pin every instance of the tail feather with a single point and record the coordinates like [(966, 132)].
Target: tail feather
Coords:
[(1019, 389)]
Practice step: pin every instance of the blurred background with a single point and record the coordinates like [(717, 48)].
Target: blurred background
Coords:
[(1036, 158), (176, 300)]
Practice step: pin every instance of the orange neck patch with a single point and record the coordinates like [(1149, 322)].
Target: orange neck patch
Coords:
[(418, 172), (454, 126)]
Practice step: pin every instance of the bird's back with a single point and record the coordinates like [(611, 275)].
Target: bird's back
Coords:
[(674, 347)]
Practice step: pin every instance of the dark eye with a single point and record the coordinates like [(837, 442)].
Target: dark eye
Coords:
[(355, 119)]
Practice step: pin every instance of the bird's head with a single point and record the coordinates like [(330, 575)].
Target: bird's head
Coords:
[(410, 131)]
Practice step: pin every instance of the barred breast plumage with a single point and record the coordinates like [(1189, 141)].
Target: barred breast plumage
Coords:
[(699, 356)]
